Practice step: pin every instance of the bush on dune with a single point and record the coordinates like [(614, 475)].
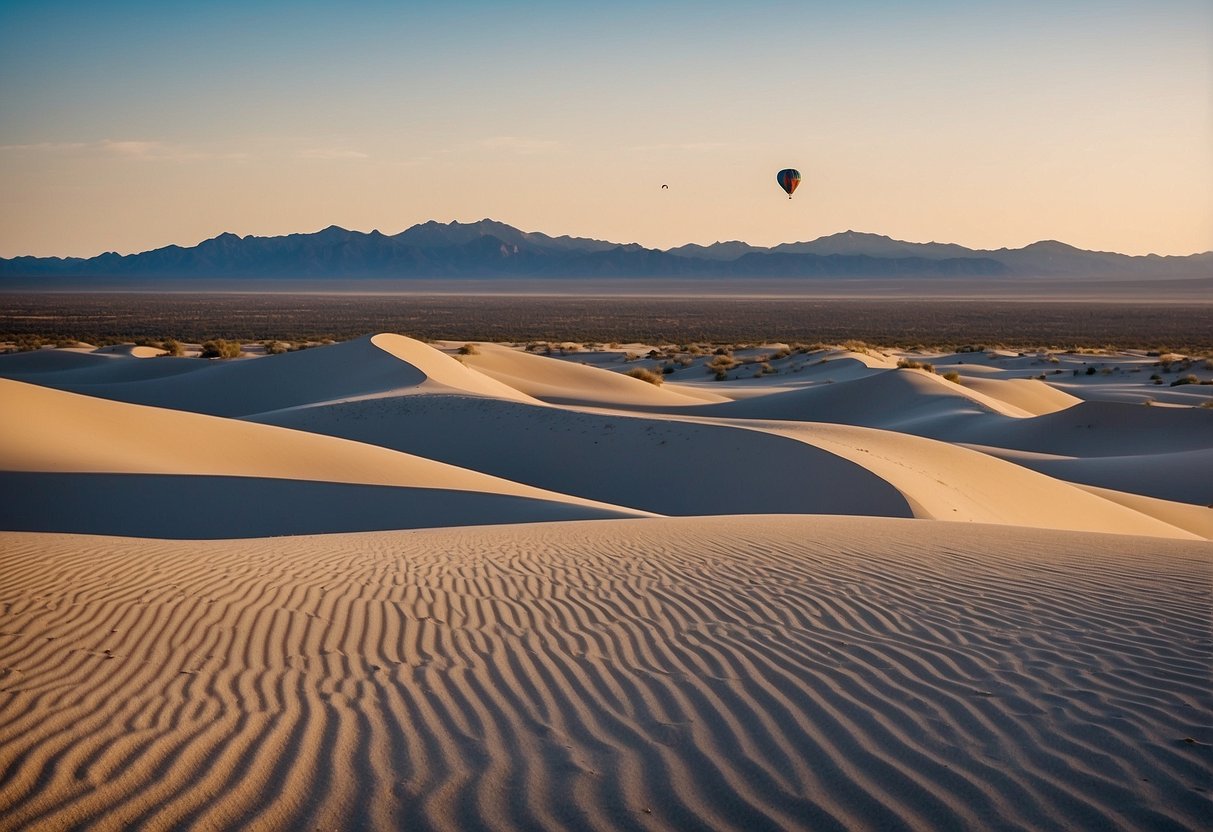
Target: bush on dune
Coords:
[(219, 348), (646, 375), (911, 364)]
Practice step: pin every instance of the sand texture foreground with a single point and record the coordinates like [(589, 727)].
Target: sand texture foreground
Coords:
[(681, 673)]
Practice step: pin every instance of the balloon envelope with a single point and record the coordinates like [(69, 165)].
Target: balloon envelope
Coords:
[(788, 179)]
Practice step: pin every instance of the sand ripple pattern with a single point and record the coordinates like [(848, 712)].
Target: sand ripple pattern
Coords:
[(692, 673)]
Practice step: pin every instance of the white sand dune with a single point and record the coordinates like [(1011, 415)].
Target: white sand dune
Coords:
[(52, 432), (389, 393), (1096, 429), (1029, 395), (1182, 476), (130, 350), (978, 488), (654, 464), (1197, 519), (368, 366), (565, 382), (893, 399), (699, 673)]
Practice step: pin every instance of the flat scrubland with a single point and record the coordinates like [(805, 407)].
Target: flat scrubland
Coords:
[(682, 573), (897, 320)]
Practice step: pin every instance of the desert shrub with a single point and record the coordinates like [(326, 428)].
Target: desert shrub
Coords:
[(629, 357), (1188, 379), (722, 351), (469, 349), (27, 343), (172, 347), (911, 364), (767, 369), (955, 376), (1090, 371), (1209, 363), (667, 369), (1208, 404), (219, 348), (646, 375)]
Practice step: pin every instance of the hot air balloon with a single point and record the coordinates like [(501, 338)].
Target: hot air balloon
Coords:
[(788, 179)]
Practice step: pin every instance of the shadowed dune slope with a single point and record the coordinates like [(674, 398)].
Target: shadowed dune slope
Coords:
[(1183, 476), (654, 464), (1097, 429), (698, 673), (208, 507), (53, 361), (113, 369)]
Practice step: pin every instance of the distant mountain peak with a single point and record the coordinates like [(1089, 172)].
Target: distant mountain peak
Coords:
[(1051, 245)]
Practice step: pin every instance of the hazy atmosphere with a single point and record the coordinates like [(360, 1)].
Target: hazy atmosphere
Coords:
[(129, 126)]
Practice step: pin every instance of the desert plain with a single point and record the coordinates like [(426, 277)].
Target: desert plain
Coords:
[(395, 584)]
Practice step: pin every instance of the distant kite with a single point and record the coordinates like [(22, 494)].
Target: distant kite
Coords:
[(788, 179), (665, 187)]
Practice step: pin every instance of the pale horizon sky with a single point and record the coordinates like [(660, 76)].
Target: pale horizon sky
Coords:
[(132, 125)]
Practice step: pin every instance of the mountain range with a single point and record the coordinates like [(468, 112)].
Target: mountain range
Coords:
[(488, 249)]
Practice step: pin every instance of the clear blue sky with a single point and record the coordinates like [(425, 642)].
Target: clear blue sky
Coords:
[(132, 125)]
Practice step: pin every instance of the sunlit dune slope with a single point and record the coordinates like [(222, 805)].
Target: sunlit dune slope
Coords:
[(567, 382)]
